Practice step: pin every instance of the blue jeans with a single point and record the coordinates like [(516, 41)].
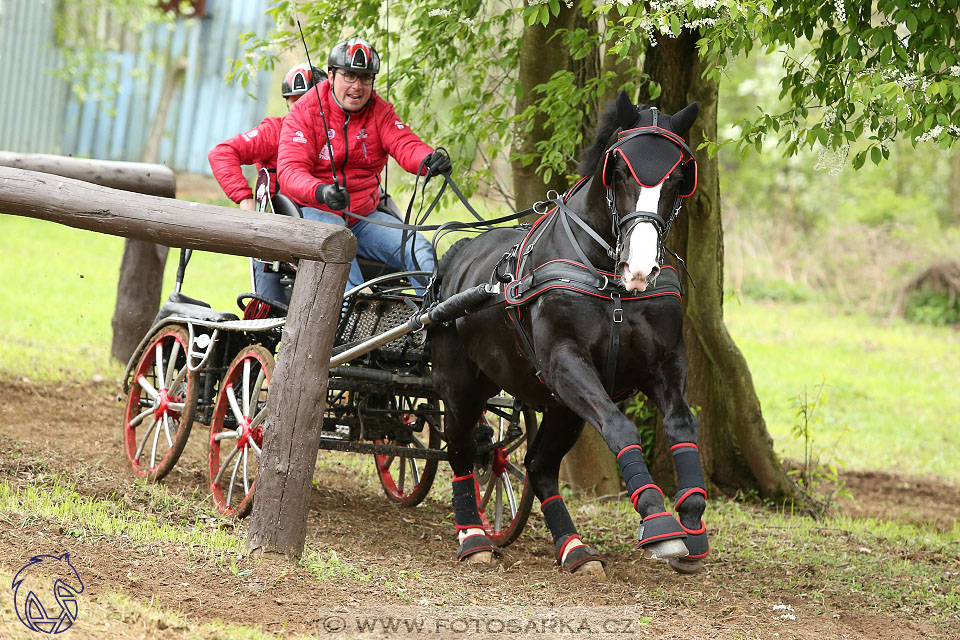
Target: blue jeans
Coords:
[(374, 242)]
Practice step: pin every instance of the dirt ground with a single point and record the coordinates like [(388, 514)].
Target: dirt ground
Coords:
[(76, 431)]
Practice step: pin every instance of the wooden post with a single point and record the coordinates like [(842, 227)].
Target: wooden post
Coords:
[(141, 269), (293, 426)]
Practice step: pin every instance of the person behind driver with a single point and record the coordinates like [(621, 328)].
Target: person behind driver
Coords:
[(363, 129)]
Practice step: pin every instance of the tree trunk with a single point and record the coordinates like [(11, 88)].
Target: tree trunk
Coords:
[(735, 447), (952, 214), (138, 295), (540, 58)]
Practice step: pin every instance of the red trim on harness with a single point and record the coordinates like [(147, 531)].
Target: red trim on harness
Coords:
[(629, 446), (566, 544), (543, 503), (590, 293), (464, 527), (457, 478), (662, 535), (683, 444), (693, 532), (676, 505), (636, 494), (623, 156), (664, 132), (475, 535)]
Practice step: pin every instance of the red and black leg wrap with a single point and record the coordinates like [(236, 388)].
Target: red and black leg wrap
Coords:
[(686, 458), (558, 518), (577, 557), (467, 516), (635, 472)]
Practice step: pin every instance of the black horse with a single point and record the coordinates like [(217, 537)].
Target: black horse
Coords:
[(591, 314)]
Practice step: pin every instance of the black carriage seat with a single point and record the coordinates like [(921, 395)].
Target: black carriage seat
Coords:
[(180, 305), (285, 206)]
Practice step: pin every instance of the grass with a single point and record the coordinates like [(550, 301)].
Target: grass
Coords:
[(891, 386)]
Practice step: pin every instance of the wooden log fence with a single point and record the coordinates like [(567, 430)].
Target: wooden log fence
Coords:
[(140, 281), (297, 398)]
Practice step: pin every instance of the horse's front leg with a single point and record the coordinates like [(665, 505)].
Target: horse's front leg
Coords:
[(682, 429), (571, 377)]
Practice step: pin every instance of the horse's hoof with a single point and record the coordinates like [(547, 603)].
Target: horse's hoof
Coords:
[(593, 569), (665, 550), (685, 566), (480, 557)]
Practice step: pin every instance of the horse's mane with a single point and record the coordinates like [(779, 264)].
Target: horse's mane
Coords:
[(607, 124)]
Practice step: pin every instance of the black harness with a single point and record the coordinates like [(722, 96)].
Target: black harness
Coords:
[(523, 284)]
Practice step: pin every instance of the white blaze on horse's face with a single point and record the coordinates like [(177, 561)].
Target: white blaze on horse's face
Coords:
[(640, 263)]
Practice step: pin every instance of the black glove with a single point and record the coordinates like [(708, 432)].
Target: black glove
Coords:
[(333, 195), (437, 163)]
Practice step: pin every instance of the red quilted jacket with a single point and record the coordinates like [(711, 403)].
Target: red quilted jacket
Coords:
[(361, 143), (257, 146)]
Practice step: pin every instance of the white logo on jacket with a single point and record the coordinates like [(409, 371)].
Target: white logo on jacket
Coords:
[(398, 123), (299, 137), (250, 134)]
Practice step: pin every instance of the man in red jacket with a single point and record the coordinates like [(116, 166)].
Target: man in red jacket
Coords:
[(363, 129), (258, 146)]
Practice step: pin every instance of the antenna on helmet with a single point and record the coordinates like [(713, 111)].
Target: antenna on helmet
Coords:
[(323, 117)]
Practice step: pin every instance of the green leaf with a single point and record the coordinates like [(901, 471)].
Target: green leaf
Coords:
[(875, 155), (675, 25)]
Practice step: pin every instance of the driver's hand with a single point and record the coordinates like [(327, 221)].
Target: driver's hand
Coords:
[(437, 162), (333, 195)]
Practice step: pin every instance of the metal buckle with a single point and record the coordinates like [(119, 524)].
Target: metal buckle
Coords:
[(618, 310)]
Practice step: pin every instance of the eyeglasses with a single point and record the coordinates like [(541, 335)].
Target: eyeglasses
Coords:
[(350, 77)]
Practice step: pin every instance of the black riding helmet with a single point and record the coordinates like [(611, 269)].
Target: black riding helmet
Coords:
[(355, 54), (299, 80)]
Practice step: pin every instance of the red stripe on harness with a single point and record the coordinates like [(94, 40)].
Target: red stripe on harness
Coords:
[(684, 444), (693, 532), (629, 446), (457, 478), (657, 515)]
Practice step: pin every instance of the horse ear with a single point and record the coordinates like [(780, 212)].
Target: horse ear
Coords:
[(682, 120), (627, 113)]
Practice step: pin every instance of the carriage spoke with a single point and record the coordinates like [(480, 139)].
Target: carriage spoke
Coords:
[(256, 449), (146, 386), (153, 453), (259, 418), (511, 498), (414, 471), (176, 406), (223, 467), (516, 445), (258, 386), (402, 473), (146, 435), (245, 390), (488, 491), (136, 421), (223, 435), (232, 398), (174, 352), (498, 520), (179, 379), (512, 468), (233, 480), (166, 429), (158, 363), (246, 482)]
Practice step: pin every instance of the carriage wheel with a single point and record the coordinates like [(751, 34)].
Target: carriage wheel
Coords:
[(407, 480), (501, 474), (161, 404), (236, 430)]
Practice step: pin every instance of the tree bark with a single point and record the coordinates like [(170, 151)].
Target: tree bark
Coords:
[(952, 216), (295, 407), (137, 297), (735, 447), (540, 58)]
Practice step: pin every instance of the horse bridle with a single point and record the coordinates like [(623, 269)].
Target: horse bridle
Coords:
[(621, 226)]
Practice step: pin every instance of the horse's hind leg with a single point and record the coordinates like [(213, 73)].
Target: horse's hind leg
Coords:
[(682, 429), (557, 434), (464, 390)]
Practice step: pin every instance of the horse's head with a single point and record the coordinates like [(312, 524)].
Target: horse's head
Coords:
[(646, 168)]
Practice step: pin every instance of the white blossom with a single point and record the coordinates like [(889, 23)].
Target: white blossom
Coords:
[(439, 12), (841, 10), (832, 161), (955, 70)]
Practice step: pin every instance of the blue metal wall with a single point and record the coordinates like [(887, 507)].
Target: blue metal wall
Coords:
[(204, 110)]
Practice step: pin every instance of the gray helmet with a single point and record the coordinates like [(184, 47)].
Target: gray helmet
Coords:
[(355, 54)]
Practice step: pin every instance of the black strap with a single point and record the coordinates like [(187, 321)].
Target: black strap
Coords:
[(613, 348)]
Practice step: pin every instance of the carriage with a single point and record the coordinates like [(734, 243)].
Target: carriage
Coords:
[(199, 365)]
